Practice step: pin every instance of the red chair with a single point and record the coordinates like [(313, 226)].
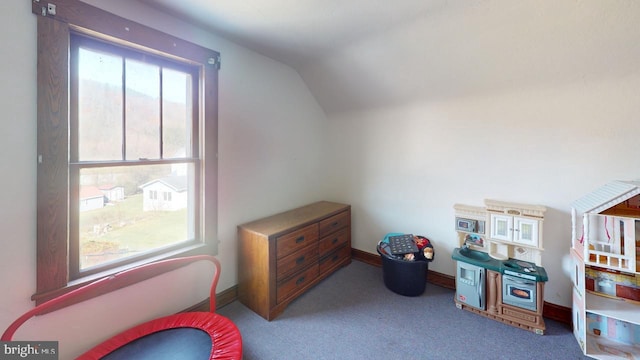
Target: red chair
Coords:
[(190, 335)]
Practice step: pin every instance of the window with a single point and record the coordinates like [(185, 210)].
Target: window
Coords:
[(127, 139)]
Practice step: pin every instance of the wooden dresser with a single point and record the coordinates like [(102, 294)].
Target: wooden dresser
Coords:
[(282, 256)]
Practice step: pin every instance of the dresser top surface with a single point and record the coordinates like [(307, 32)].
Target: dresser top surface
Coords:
[(294, 218)]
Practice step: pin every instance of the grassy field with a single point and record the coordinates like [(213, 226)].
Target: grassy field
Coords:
[(122, 229)]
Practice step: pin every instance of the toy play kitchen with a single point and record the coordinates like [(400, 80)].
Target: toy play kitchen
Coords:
[(498, 272)]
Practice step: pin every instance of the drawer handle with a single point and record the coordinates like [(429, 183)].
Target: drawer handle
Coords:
[(334, 241), (335, 223), (300, 260), (300, 239), (334, 258), (300, 280)]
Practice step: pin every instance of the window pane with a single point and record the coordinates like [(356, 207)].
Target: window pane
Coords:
[(99, 121), (177, 113), (122, 215), (143, 110)]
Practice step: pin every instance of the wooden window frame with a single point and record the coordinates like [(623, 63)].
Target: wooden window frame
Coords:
[(53, 215)]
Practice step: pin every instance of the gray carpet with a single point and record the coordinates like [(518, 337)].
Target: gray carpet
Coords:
[(352, 315)]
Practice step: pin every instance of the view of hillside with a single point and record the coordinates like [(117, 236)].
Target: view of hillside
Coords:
[(103, 113), (122, 229)]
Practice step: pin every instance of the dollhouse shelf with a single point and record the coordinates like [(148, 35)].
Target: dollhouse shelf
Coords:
[(613, 308), (606, 349)]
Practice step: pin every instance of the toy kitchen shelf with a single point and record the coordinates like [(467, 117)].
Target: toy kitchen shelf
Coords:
[(498, 269), (502, 229), (605, 249)]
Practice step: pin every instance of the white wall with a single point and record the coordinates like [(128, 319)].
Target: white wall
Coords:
[(271, 139), (17, 160), (529, 101)]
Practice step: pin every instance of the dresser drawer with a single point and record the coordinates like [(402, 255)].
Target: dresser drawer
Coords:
[(296, 240), (338, 221), (290, 286), (296, 261), (328, 262), (333, 241)]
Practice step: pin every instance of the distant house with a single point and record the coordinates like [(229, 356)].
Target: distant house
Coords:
[(91, 198), (112, 192), (165, 194)]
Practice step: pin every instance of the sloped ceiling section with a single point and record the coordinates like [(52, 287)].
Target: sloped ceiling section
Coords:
[(296, 31), (365, 54)]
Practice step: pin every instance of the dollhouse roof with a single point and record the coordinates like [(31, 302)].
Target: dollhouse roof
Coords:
[(607, 196)]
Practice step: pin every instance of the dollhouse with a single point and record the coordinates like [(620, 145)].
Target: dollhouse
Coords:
[(605, 250)]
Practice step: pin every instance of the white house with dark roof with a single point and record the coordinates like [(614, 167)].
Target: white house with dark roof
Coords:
[(165, 194)]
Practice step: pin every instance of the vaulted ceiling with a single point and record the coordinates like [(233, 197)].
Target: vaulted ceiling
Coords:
[(294, 31), (363, 54)]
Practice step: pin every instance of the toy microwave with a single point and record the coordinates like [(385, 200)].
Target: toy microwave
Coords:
[(470, 225)]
